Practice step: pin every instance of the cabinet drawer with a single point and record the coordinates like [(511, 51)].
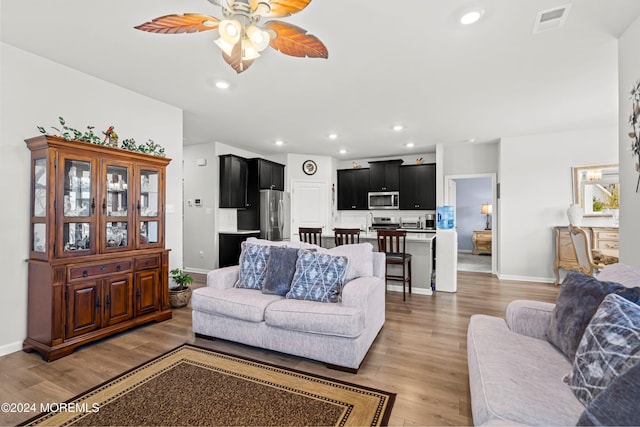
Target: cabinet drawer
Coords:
[(610, 235), (608, 244), (90, 270), (147, 262)]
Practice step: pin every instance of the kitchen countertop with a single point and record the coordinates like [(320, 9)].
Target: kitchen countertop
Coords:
[(239, 232), (412, 236)]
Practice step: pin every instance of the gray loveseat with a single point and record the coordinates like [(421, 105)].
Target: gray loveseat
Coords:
[(515, 373), (339, 334)]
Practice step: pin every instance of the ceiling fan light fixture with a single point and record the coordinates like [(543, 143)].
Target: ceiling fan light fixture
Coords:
[(225, 46), (249, 51), (230, 31), (262, 9), (259, 38)]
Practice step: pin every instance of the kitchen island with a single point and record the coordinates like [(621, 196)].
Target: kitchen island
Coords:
[(421, 246)]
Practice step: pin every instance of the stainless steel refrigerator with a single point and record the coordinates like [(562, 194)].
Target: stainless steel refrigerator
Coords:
[(275, 215)]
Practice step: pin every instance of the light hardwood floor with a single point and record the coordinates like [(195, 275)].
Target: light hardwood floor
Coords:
[(420, 354)]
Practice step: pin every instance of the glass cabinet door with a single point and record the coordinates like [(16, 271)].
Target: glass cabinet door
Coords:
[(39, 206), (149, 206), (78, 205), (115, 207)]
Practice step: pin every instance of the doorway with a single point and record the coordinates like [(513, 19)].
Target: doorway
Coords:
[(472, 195)]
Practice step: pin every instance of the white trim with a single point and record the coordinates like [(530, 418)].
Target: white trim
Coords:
[(527, 278), (418, 291), (10, 348), (196, 270), (495, 251)]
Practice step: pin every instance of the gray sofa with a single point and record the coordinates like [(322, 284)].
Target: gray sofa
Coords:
[(515, 374), (338, 334)]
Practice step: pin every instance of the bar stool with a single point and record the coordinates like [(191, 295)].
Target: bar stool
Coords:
[(311, 235), (346, 236), (392, 243)]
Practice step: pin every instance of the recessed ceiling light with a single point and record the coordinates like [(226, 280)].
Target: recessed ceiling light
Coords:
[(279, 142), (333, 136), (471, 16), (397, 128), (222, 84), (343, 151), (410, 145)]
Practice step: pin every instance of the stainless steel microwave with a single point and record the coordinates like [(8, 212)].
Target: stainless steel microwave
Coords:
[(384, 200)]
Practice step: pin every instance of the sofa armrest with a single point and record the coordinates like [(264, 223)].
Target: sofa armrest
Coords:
[(356, 292), (530, 318), (223, 278)]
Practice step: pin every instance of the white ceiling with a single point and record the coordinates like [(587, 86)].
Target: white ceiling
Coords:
[(407, 61)]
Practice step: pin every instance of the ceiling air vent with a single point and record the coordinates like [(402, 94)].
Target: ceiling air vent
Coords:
[(551, 19)]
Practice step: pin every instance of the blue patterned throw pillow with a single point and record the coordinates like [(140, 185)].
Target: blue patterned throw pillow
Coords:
[(253, 265), (318, 276), (609, 347)]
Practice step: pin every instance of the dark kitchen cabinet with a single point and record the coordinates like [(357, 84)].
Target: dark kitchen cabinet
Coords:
[(230, 247), (418, 187), (233, 181), (270, 174), (353, 188), (384, 175)]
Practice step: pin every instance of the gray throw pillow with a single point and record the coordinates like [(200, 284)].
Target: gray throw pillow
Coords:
[(579, 298), (609, 347), (616, 405), (280, 269)]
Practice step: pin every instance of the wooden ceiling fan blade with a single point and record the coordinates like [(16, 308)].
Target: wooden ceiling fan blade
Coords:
[(295, 41), (235, 59), (283, 8), (174, 24)]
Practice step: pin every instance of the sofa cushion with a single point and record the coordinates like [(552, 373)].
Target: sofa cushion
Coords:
[(616, 405), (579, 298), (237, 303), (609, 347), (318, 276), (253, 265), (312, 317), (280, 269), (516, 379), (360, 257)]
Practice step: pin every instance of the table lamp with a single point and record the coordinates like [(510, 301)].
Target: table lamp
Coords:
[(487, 209)]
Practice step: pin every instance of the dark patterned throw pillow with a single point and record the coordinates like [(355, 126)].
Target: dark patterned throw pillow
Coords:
[(609, 347), (318, 277), (253, 265), (579, 298), (280, 269)]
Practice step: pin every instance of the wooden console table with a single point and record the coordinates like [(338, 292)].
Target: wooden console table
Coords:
[(481, 242), (604, 242)]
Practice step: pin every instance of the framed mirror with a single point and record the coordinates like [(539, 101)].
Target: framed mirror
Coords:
[(596, 189)]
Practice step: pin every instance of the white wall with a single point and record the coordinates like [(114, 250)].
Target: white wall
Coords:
[(470, 159), (35, 91), (200, 254), (535, 192), (628, 75)]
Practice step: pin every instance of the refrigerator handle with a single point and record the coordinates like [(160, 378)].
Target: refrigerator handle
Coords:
[(280, 216)]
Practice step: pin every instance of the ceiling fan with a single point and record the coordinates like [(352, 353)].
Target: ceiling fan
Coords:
[(242, 37)]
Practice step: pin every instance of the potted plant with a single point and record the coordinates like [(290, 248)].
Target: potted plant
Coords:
[(179, 290)]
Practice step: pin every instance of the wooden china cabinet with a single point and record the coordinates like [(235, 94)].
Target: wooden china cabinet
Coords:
[(97, 262)]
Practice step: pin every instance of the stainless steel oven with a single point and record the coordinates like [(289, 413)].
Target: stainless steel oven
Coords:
[(384, 200)]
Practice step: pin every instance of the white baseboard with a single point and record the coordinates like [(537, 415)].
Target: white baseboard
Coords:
[(465, 251), (10, 348), (418, 291), (527, 278), (196, 270)]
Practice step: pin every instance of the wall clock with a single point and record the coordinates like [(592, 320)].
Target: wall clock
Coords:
[(309, 167)]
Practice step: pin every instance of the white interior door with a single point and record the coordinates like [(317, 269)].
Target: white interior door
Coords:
[(309, 205)]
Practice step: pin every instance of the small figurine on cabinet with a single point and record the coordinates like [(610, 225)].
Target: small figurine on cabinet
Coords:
[(111, 136)]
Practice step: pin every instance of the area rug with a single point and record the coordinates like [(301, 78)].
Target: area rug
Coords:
[(195, 386)]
